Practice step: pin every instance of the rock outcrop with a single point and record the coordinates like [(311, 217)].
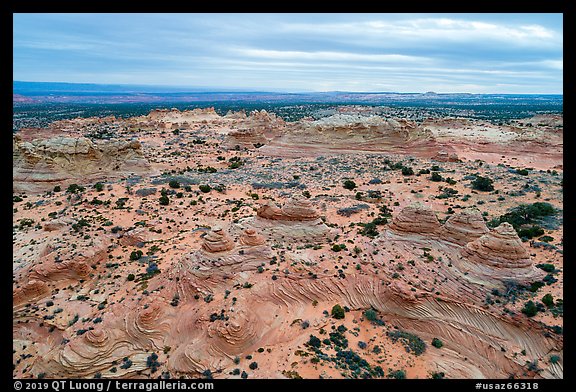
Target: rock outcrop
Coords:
[(416, 218), (297, 220), (41, 164), (251, 238), (464, 226), (217, 241), (500, 248), (295, 209), (255, 130)]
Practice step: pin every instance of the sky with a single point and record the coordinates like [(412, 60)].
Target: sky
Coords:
[(444, 53)]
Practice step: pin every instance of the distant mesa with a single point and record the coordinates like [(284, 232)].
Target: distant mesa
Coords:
[(17, 98)]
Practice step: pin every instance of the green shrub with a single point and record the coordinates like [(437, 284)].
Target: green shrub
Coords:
[(338, 312), (407, 171), (314, 341), (483, 184), (370, 314), (75, 188), (135, 255), (548, 300), (531, 232), (57, 188), (546, 267), (99, 187), (130, 277), (349, 184), (369, 230), (436, 177), (174, 184), (164, 200), (205, 188), (411, 342), (530, 309), (397, 374), (437, 343)]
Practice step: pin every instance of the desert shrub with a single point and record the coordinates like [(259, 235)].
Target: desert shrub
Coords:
[(437, 343), (436, 177), (253, 365), (205, 188), (397, 374), (370, 314), (546, 267), (338, 312), (99, 187), (174, 184), (524, 214), (164, 200), (314, 341), (57, 188), (548, 300), (411, 342), (135, 255), (152, 362), (531, 232), (75, 188), (407, 171), (483, 184), (369, 229), (348, 211), (130, 277), (530, 309), (349, 184), (554, 359)]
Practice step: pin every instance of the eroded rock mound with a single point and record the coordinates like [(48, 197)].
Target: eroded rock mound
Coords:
[(464, 226), (297, 220), (217, 241), (416, 218), (500, 248), (42, 163), (29, 291), (295, 209), (251, 238)]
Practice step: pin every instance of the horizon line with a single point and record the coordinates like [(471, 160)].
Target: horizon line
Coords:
[(277, 91)]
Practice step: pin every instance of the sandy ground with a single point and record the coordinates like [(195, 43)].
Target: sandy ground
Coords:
[(176, 229)]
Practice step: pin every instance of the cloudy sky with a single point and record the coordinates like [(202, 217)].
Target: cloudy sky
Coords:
[(477, 53)]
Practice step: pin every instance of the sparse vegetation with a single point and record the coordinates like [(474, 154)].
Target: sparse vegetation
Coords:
[(337, 312), (483, 184)]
